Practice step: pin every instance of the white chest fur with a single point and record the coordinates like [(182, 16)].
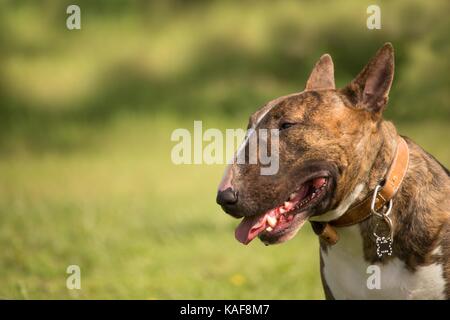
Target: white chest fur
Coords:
[(346, 273)]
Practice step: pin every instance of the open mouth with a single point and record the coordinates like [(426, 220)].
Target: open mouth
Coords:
[(283, 221)]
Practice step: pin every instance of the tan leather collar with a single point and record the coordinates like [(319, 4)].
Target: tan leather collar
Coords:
[(362, 210)]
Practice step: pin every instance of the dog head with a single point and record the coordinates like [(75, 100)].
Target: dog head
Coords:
[(326, 138)]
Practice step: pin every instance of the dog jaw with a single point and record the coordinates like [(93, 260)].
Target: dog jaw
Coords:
[(282, 222), (343, 206)]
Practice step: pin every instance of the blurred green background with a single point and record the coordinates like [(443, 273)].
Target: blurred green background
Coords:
[(86, 116)]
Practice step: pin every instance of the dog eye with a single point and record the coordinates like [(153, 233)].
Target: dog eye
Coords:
[(286, 125)]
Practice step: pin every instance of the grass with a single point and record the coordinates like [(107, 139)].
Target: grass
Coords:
[(139, 226)]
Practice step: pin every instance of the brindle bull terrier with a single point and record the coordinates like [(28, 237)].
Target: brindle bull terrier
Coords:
[(373, 197)]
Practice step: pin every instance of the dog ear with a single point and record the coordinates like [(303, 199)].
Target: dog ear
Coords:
[(322, 76), (370, 88)]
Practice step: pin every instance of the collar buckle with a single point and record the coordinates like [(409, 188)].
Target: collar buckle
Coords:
[(373, 204)]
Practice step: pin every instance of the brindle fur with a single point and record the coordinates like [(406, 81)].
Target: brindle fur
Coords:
[(344, 130)]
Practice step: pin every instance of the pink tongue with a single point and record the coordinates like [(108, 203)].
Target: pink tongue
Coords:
[(250, 227)]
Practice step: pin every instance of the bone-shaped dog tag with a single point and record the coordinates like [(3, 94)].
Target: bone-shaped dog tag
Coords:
[(384, 246)]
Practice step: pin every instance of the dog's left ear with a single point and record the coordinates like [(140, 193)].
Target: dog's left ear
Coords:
[(322, 76), (370, 88)]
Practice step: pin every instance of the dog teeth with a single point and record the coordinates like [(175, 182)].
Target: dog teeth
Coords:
[(272, 221), (269, 229), (293, 195), (288, 205), (282, 210)]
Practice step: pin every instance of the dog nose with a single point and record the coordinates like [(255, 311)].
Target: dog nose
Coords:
[(226, 197)]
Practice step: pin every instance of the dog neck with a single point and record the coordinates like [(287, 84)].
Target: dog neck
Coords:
[(419, 207), (378, 199), (387, 141)]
